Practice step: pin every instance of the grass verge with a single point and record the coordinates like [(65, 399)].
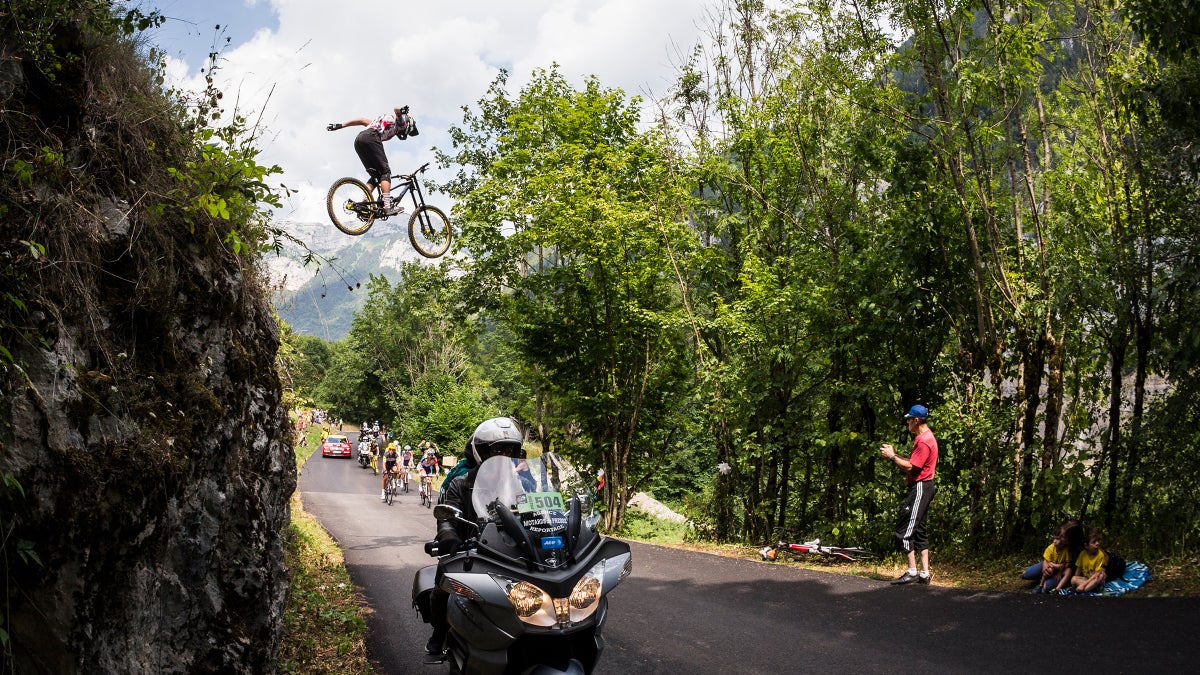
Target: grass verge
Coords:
[(324, 622), (1172, 577)]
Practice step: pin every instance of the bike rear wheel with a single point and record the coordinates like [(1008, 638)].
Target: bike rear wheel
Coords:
[(429, 231), (351, 206)]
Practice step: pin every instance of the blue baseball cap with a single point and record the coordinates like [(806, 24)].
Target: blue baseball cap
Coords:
[(917, 411)]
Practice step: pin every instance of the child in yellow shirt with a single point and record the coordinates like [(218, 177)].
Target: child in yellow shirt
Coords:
[(1057, 567), (1089, 566)]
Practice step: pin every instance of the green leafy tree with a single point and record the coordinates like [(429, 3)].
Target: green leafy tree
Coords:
[(561, 204)]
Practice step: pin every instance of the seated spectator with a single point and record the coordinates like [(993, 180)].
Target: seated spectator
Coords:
[(1089, 566), (1057, 566)]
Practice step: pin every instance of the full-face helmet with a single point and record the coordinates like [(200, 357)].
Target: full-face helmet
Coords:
[(497, 436)]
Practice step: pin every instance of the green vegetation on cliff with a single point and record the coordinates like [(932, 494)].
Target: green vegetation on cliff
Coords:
[(146, 456)]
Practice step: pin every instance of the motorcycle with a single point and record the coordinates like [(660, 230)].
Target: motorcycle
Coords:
[(364, 457), (528, 589)]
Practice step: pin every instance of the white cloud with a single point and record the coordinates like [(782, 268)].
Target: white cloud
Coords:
[(329, 62)]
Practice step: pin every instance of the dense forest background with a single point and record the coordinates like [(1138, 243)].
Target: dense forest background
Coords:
[(729, 296)]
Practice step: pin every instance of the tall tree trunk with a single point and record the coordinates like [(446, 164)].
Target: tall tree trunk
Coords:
[(771, 494), (1113, 439), (1143, 336), (833, 470), (724, 493), (1033, 357), (785, 481), (1054, 404)]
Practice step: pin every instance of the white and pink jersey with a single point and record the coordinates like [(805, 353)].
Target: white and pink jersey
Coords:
[(385, 126)]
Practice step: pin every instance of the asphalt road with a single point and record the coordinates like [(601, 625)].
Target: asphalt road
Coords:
[(685, 612)]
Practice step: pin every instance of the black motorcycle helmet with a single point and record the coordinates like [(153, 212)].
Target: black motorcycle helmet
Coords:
[(497, 436)]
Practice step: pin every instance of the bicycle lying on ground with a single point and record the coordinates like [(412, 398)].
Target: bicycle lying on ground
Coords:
[(353, 208), (814, 547)]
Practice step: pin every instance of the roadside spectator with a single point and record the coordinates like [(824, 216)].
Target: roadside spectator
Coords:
[(1057, 566), (1089, 566), (920, 467)]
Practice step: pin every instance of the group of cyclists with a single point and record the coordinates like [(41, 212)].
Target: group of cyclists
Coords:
[(378, 444)]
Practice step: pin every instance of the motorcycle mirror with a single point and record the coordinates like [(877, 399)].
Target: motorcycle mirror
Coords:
[(444, 513), (592, 521)]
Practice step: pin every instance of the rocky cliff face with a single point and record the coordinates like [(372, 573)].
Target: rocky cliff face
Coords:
[(145, 452)]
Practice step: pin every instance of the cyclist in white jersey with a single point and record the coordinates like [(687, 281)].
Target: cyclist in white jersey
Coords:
[(369, 146)]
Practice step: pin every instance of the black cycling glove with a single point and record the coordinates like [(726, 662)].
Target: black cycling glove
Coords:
[(333, 127)]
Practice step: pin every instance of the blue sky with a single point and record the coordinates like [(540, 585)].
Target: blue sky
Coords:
[(189, 32), (293, 66)]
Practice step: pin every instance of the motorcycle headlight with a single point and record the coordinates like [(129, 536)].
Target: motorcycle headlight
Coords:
[(586, 592), (531, 604), (534, 606), (526, 598)]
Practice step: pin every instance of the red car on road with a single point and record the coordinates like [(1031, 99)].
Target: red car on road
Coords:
[(335, 446)]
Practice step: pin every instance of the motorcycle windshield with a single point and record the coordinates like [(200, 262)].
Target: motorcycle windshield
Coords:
[(539, 491)]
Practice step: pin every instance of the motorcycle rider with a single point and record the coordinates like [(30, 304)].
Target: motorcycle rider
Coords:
[(497, 436), (364, 447)]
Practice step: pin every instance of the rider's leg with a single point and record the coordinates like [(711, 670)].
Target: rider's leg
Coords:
[(437, 618)]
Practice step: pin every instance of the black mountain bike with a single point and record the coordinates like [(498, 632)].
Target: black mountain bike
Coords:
[(354, 209)]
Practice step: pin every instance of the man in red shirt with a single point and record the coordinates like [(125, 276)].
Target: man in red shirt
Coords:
[(920, 467)]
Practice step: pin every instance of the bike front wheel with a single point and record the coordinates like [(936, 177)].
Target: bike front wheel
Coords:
[(855, 553), (351, 206), (429, 231)]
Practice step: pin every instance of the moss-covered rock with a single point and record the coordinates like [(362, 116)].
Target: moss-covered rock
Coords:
[(145, 452)]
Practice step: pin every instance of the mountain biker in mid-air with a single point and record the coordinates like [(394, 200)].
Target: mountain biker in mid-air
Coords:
[(369, 146)]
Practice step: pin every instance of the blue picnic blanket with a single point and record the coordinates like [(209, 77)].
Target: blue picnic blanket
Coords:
[(1136, 574)]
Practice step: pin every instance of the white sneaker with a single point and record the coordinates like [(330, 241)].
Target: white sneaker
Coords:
[(392, 209), (383, 495)]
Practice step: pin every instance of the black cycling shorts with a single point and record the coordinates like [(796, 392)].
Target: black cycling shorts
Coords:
[(371, 154)]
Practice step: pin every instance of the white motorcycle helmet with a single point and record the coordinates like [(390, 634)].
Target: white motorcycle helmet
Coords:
[(497, 436)]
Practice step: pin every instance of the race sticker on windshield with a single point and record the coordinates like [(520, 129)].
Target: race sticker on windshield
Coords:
[(552, 542), (539, 501)]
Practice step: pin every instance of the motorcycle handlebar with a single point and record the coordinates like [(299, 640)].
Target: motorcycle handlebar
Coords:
[(431, 548)]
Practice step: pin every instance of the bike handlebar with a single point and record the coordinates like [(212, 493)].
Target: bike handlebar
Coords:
[(410, 176)]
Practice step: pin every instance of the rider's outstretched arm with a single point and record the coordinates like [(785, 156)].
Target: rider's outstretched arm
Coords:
[(356, 122)]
